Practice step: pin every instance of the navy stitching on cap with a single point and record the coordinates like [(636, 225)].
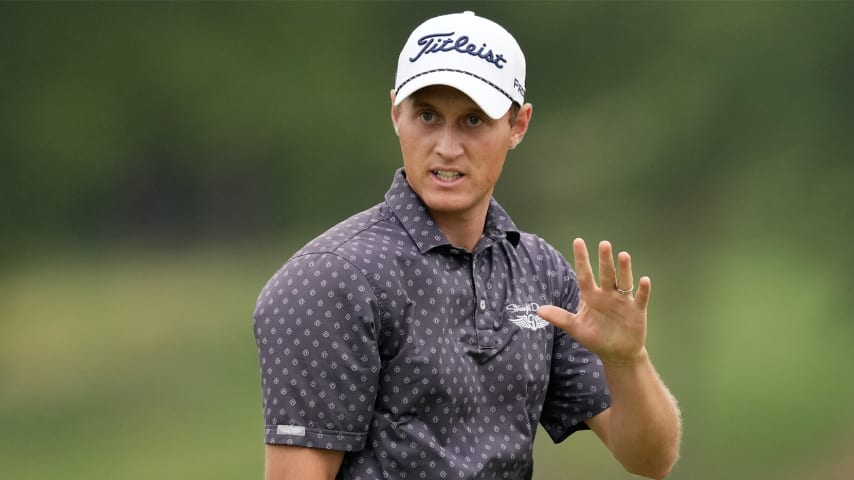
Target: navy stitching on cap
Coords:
[(457, 71)]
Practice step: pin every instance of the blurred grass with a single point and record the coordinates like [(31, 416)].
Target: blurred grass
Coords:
[(140, 363), (711, 139), (131, 364)]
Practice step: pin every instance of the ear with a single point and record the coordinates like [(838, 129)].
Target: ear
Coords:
[(520, 126), (394, 111)]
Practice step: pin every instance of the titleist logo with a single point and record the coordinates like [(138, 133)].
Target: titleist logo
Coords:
[(444, 42)]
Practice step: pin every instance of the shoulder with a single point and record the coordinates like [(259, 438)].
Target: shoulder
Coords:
[(344, 257), (365, 226), (548, 265), (533, 241), (540, 250), (317, 289)]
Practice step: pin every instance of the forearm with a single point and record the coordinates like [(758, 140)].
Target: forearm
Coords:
[(284, 462), (644, 423)]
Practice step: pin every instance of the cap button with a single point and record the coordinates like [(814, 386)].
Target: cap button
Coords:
[(468, 12)]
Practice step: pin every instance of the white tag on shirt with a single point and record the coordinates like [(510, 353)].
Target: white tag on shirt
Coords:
[(290, 430)]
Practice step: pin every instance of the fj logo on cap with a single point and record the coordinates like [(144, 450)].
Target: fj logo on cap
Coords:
[(445, 42), (519, 87)]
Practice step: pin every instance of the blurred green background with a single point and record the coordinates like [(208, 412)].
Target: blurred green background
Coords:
[(161, 160)]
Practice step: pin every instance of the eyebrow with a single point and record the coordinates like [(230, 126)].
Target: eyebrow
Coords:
[(420, 103)]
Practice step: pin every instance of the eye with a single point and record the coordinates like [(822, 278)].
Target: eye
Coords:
[(427, 116), (473, 120)]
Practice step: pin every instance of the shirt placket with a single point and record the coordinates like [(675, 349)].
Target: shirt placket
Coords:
[(484, 320)]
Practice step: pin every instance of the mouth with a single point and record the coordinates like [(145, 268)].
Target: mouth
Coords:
[(446, 175)]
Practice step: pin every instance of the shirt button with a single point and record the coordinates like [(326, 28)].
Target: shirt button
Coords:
[(483, 304), (454, 251)]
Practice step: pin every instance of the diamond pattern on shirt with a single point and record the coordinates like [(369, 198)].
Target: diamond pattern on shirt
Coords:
[(382, 339)]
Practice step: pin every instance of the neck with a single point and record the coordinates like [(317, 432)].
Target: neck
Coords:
[(462, 230)]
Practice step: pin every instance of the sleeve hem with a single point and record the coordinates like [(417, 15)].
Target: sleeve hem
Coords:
[(580, 425), (317, 438)]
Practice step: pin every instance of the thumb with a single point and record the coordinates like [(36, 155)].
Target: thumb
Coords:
[(557, 316)]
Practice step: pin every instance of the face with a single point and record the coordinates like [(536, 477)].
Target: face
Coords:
[(453, 152)]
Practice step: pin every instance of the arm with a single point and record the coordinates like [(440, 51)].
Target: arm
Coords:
[(286, 462), (318, 395), (642, 428)]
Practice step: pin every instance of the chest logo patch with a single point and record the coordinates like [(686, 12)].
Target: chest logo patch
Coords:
[(525, 316)]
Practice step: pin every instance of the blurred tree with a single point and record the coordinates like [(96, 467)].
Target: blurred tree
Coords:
[(715, 137)]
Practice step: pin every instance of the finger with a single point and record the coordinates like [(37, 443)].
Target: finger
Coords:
[(625, 280), (607, 273), (583, 270), (644, 291), (558, 317)]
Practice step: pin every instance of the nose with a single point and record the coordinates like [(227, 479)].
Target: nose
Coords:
[(449, 144)]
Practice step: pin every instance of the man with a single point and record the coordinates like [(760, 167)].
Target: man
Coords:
[(427, 337)]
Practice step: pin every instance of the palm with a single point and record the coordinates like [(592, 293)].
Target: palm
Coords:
[(609, 323)]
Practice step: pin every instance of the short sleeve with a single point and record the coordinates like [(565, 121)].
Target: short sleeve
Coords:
[(577, 388), (316, 324)]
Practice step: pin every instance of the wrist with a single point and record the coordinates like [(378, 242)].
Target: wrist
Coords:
[(626, 362)]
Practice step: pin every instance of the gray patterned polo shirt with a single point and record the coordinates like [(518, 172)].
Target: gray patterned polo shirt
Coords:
[(418, 358)]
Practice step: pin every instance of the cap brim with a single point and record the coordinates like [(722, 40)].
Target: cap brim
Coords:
[(491, 100)]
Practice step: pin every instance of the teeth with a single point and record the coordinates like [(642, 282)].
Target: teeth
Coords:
[(446, 175)]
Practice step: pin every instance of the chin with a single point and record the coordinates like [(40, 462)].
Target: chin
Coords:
[(447, 206)]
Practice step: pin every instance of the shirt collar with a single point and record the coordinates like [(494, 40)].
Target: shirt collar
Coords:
[(410, 210)]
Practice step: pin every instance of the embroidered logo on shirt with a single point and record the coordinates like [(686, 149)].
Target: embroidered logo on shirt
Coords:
[(290, 430), (525, 316)]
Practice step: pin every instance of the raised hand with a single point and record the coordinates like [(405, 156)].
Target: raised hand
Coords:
[(611, 320)]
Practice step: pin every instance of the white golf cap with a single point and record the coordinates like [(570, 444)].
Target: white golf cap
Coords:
[(470, 53)]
